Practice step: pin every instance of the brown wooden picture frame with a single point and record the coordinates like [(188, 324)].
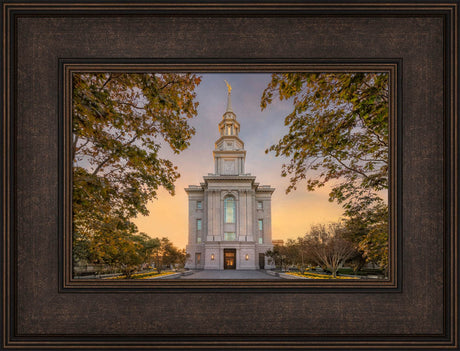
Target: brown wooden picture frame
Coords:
[(417, 42)]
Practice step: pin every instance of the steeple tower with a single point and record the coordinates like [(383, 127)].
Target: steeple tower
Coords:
[(229, 212), (229, 153)]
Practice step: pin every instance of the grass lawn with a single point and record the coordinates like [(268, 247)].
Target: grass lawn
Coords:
[(361, 272), (318, 276), (143, 275)]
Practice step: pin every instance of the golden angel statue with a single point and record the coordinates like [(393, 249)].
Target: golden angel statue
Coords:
[(229, 87)]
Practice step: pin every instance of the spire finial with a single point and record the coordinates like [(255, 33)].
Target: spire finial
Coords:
[(229, 99)]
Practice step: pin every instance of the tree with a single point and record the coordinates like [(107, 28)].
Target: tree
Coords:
[(299, 253), (368, 230), (275, 255), (147, 246), (374, 244), (281, 256), (328, 246), (357, 261), (119, 123), (180, 258), (116, 245), (338, 134), (166, 254)]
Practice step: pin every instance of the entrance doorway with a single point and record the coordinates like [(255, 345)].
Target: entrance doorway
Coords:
[(229, 258), (261, 261)]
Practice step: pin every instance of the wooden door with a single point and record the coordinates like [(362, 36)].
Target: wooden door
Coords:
[(261, 261), (229, 258)]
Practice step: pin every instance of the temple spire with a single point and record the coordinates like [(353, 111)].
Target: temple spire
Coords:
[(229, 98)]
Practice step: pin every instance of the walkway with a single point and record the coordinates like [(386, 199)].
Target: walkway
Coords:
[(229, 274)]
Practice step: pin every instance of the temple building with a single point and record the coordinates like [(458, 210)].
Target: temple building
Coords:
[(229, 212)]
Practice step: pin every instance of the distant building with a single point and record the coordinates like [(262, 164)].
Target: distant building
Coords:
[(229, 213), (279, 242)]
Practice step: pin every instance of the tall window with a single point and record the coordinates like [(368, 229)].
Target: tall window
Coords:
[(199, 205), (260, 205), (198, 224), (229, 209), (261, 224)]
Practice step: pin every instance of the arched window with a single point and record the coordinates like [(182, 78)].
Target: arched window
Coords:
[(229, 209)]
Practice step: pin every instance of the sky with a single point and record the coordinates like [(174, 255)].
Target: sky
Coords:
[(292, 214)]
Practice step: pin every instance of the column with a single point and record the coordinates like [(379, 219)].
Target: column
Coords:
[(210, 205), (243, 218), (250, 216), (218, 227)]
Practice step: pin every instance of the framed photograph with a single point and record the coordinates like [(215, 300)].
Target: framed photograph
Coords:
[(222, 229), (234, 175)]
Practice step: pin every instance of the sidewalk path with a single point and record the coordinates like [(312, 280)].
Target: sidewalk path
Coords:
[(229, 274)]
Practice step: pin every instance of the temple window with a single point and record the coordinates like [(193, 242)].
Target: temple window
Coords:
[(229, 209)]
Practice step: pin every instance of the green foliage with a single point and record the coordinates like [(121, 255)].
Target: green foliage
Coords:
[(166, 254), (120, 122), (281, 256), (368, 231), (338, 130), (338, 135), (356, 262), (293, 252)]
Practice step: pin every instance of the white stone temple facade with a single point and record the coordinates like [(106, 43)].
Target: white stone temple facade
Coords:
[(229, 212)]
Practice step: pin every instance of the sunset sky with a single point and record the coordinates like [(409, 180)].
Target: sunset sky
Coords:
[(292, 214)]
